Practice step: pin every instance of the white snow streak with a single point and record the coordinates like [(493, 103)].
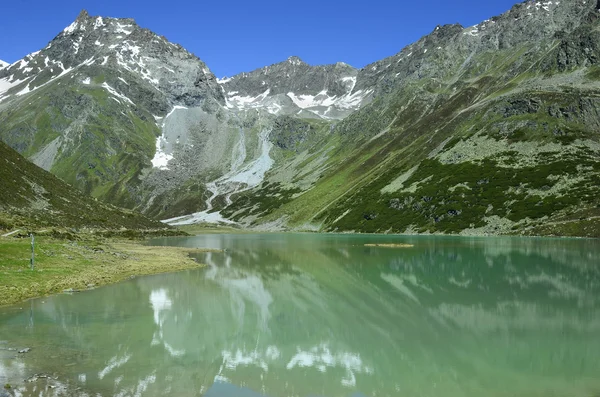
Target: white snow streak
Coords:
[(27, 90), (161, 158), (6, 84), (347, 101), (71, 28), (116, 94), (247, 102)]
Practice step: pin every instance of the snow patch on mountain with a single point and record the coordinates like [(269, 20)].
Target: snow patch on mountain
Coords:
[(99, 23), (6, 84), (123, 29), (308, 101), (29, 89), (323, 104), (245, 102), (329, 103), (71, 28), (350, 80), (3, 64), (161, 158), (115, 93), (163, 153)]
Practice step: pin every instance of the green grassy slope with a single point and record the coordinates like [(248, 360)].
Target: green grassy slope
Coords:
[(507, 144), (102, 144), (33, 198)]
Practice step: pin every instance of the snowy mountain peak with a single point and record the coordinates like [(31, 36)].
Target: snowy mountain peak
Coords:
[(3, 64), (122, 49)]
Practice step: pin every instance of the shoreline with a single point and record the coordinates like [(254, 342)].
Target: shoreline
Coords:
[(63, 266), (551, 230)]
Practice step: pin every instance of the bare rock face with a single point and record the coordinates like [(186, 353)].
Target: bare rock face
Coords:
[(296, 76)]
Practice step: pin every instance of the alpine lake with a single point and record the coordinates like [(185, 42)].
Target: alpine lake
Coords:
[(321, 315)]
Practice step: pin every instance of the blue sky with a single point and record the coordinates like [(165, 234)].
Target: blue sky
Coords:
[(234, 36)]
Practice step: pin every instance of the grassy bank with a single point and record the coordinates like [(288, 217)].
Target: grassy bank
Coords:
[(78, 265)]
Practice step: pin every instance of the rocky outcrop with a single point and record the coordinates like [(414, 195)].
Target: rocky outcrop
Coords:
[(288, 132), (295, 76)]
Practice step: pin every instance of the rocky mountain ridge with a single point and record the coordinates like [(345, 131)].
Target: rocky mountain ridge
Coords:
[(130, 118), (295, 88)]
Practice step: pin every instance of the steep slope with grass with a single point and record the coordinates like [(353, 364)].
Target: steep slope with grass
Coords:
[(89, 107), (33, 198)]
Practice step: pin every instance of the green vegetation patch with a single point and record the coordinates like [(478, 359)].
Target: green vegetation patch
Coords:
[(75, 265), (449, 198), (259, 202)]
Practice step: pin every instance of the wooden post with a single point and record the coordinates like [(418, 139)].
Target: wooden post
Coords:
[(32, 261)]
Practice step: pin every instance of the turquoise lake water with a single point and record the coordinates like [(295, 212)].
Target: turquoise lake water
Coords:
[(314, 315)]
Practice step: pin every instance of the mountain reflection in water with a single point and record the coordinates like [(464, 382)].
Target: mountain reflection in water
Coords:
[(322, 315)]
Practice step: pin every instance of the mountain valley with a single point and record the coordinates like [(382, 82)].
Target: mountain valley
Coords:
[(491, 129)]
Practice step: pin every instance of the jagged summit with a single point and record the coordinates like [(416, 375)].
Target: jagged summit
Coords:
[(83, 14), (3, 64), (124, 48), (295, 60), (103, 87)]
